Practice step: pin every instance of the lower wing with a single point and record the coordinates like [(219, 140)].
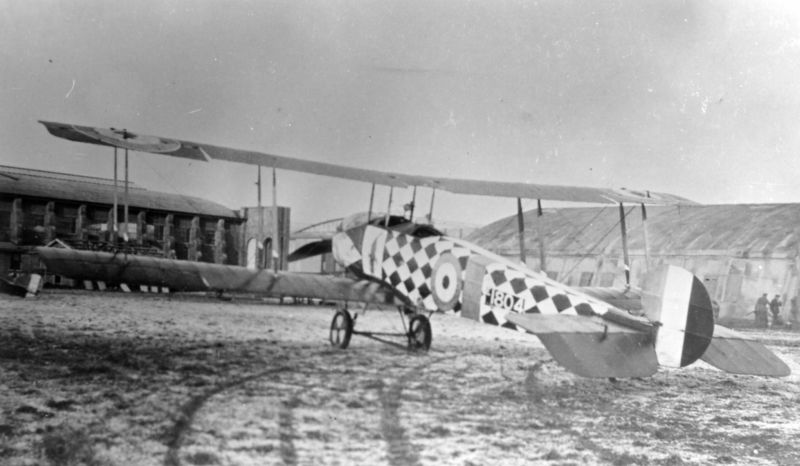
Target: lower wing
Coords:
[(176, 275)]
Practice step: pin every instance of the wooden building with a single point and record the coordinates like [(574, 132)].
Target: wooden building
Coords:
[(38, 207)]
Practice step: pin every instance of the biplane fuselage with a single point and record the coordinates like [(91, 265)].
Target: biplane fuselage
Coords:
[(432, 272)]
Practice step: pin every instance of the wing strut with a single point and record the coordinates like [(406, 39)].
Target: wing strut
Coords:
[(430, 212), (125, 233), (260, 239), (116, 201), (389, 207), (276, 240), (626, 259), (371, 199), (646, 244), (521, 224), (540, 234), (411, 206)]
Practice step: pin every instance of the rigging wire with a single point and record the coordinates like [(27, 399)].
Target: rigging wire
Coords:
[(597, 243)]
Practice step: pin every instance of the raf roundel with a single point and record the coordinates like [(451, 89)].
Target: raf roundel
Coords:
[(446, 282)]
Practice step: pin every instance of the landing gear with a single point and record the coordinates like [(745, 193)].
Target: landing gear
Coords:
[(341, 329), (419, 333)]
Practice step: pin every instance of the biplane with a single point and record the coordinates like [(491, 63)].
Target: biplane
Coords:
[(393, 261)]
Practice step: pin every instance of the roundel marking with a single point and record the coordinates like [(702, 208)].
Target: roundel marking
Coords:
[(446, 282), (140, 142)]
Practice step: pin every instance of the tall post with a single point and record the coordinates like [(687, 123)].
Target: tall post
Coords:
[(430, 212), (540, 235), (625, 257), (521, 227), (114, 218), (646, 243), (277, 241), (389, 207), (371, 199)]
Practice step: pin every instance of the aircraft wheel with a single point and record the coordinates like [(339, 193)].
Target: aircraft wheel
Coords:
[(419, 333), (341, 329)]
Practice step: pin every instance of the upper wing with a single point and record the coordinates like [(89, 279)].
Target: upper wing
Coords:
[(206, 152), (200, 276)]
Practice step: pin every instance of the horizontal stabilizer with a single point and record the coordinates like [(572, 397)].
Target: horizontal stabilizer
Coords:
[(739, 354), (591, 347)]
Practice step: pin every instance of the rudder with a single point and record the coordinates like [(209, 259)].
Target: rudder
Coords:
[(679, 303)]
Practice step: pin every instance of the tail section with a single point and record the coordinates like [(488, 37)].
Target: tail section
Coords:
[(679, 304)]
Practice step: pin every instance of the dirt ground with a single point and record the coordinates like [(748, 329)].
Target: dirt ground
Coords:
[(135, 379)]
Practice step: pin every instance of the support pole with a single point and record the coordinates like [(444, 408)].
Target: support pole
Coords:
[(371, 199), (430, 212), (625, 257), (389, 208), (540, 235), (521, 226), (277, 242), (116, 202), (646, 243)]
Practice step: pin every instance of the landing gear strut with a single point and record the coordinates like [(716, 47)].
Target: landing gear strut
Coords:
[(418, 334)]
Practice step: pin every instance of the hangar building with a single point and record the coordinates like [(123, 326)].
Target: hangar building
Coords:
[(38, 207), (740, 250)]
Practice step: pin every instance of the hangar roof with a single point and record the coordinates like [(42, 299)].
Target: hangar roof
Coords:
[(94, 190), (740, 229)]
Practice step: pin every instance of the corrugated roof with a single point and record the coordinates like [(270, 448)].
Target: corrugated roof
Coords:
[(740, 229), (94, 190)]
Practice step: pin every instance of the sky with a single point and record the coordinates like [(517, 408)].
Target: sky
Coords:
[(694, 98)]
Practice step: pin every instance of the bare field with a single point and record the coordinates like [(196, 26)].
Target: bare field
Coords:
[(116, 379)]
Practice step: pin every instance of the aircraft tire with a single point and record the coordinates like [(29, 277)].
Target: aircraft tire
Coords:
[(419, 333), (341, 329)]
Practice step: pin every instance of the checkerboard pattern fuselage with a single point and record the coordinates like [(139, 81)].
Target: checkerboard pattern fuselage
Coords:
[(408, 264)]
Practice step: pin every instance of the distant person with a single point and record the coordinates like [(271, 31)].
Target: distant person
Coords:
[(794, 312), (775, 309), (761, 311)]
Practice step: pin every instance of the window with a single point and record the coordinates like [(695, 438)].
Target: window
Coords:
[(586, 278)]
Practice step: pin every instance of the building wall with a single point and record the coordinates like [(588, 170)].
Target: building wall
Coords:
[(27, 221), (260, 229)]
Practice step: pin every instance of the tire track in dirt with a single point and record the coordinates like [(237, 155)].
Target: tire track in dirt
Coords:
[(400, 449), (189, 410), (286, 430)]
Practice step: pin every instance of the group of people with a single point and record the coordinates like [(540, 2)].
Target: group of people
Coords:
[(765, 307)]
